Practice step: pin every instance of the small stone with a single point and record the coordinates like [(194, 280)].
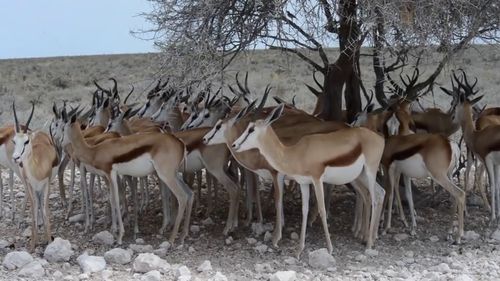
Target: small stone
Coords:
[(58, 251), (442, 267), (321, 259), (263, 267), (218, 277), (53, 196), (183, 272), (139, 241), (360, 258), (251, 241), (294, 236), (83, 276), (106, 274), (496, 235), (147, 262), (208, 221), (153, 275), (104, 238), (68, 278), (20, 194), (268, 236), (33, 270), (371, 252), (433, 238), (258, 229), (57, 275), (77, 218), (165, 245), (27, 232), (290, 261), (390, 273), (191, 250), (4, 244), (261, 248), (141, 248), (229, 240), (17, 259), (161, 252), (205, 266), (471, 235), (409, 254), (284, 276), (463, 277), (118, 256), (91, 264), (401, 237), (195, 228), (431, 276)]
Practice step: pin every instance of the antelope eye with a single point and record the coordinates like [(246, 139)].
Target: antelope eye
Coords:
[(217, 127), (207, 115), (251, 130), (26, 142)]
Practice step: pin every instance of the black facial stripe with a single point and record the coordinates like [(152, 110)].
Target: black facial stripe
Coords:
[(246, 137)]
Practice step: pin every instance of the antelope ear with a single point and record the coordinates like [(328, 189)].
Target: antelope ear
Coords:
[(370, 107), (474, 101), (106, 103), (73, 118), (54, 109), (446, 91), (127, 113), (275, 114)]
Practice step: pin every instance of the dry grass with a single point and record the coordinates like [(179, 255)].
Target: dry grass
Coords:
[(70, 78)]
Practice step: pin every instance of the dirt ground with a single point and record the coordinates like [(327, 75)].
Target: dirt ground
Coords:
[(398, 256)]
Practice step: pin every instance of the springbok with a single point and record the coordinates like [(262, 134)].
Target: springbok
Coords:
[(135, 155), (38, 160), (344, 156)]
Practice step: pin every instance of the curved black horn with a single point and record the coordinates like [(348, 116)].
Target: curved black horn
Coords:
[(131, 91), (16, 121), (31, 116), (101, 88), (115, 85)]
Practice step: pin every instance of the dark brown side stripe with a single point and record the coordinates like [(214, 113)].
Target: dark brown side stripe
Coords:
[(132, 154), (404, 154), (345, 159)]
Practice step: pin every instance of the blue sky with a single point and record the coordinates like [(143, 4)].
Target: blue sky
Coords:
[(36, 28)]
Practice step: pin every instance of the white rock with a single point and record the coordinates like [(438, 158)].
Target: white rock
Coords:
[(4, 244), (153, 275), (68, 278), (284, 276), (57, 275), (17, 259), (290, 261), (431, 276), (496, 235), (401, 237), (106, 274), (104, 238), (409, 254), (139, 241), (53, 196), (58, 251), (165, 245), (360, 258), (229, 240), (27, 232), (183, 273), (463, 277), (371, 252), (76, 218), (83, 276), (434, 238), (141, 248), (218, 277), (208, 221), (20, 194), (261, 248), (390, 273), (442, 267), (251, 241), (191, 250), (161, 252), (195, 228), (263, 267), (321, 259), (471, 235), (91, 264), (268, 236), (147, 262), (33, 269), (42, 262), (205, 266), (118, 256), (258, 229), (294, 236)]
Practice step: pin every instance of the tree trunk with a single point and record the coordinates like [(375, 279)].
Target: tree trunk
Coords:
[(378, 68), (340, 75)]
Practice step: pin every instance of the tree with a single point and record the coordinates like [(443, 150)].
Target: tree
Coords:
[(205, 36)]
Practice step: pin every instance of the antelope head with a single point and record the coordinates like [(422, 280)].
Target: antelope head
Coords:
[(21, 139), (255, 130)]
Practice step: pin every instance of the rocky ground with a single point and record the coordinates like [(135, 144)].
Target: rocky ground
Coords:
[(248, 254)]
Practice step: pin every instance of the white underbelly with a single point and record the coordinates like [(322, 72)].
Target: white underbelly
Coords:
[(138, 167), (494, 157), (345, 174), (192, 162), (413, 167)]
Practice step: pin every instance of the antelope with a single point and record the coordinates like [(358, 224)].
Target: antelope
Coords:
[(484, 144), (38, 160), (418, 156), (347, 155)]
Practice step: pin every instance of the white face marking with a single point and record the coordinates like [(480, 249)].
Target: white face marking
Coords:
[(217, 134), (393, 125), (248, 139), (22, 146)]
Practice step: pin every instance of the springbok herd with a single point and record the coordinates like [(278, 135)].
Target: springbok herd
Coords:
[(177, 133)]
